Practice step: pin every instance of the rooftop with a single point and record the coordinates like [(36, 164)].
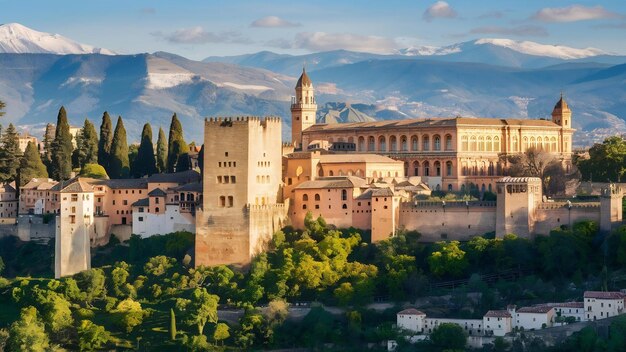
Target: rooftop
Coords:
[(535, 309), (187, 176), (76, 185), (143, 202), (498, 314), (157, 192), (334, 182), (411, 311), (604, 295)]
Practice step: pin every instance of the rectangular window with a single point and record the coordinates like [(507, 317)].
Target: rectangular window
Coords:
[(156, 200), (230, 201), (73, 209), (125, 202), (219, 179), (222, 202), (140, 218), (226, 179), (232, 179), (74, 197), (72, 219), (141, 209), (113, 201)]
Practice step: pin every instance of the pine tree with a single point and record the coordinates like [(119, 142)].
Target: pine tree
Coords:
[(161, 152), (119, 164), (87, 144), (31, 165), (172, 325), (176, 144), (9, 155), (106, 140), (145, 164), (61, 156)]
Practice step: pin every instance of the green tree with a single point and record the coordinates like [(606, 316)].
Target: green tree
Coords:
[(105, 142), (2, 106), (28, 333), (92, 283), (449, 336), (61, 156), (607, 161), (161, 152), (221, 333), (159, 265), (448, 259), (87, 145), (94, 171), (129, 314), (145, 163), (48, 139), (55, 309), (172, 325), (200, 309), (9, 155), (92, 337), (176, 145), (1, 265), (31, 165), (119, 166)]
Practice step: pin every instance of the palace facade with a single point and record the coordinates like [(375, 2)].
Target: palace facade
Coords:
[(449, 154)]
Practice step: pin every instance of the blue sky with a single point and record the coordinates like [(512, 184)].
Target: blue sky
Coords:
[(197, 29)]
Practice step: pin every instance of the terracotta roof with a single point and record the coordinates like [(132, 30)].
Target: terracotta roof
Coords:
[(498, 314), (123, 183), (535, 309), (157, 192), (304, 79), (187, 176), (8, 187), (333, 182), (189, 187), (382, 192), (604, 295), (411, 311), (40, 184), (561, 104), (143, 202), (76, 186)]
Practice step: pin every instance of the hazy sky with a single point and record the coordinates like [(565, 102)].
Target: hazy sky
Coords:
[(197, 29)]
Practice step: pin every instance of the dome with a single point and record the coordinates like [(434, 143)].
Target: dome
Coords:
[(561, 104)]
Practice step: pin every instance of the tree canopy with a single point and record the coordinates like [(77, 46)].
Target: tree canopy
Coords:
[(105, 142), (62, 147), (145, 162), (31, 165), (176, 145), (119, 166)]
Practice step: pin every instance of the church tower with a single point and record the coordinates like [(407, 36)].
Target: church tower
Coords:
[(303, 109), (562, 115)]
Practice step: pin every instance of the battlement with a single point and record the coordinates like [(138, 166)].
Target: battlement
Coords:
[(242, 120), (254, 207), (611, 191)]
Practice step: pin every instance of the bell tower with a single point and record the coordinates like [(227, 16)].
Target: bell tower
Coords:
[(562, 115), (303, 109)]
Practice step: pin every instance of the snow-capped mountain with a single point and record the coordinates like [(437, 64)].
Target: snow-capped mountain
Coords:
[(18, 39)]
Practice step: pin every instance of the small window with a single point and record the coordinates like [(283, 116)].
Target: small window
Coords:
[(232, 179), (156, 210), (230, 201), (140, 218), (141, 209), (219, 179), (226, 154), (156, 200), (222, 202), (72, 219), (125, 202), (74, 198)]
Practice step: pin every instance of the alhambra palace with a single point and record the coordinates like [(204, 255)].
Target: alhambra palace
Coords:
[(366, 175)]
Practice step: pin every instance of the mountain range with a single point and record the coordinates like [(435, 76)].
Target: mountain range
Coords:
[(39, 72)]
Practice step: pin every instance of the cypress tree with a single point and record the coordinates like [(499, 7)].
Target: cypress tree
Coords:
[(176, 144), (161, 152), (172, 325), (48, 138), (87, 144), (9, 155), (145, 164), (31, 165), (61, 163), (2, 106), (119, 163), (106, 140), (201, 159)]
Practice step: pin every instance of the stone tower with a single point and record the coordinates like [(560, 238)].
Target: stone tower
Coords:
[(303, 109), (561, 114), (610, 207), (516, 203), (242, 196), (74, 226)]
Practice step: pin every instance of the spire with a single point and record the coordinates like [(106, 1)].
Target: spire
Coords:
[(561, 104), (304, 79)]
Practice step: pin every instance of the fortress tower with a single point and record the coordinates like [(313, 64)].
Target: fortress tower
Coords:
[(242, 196), (303, 109), (517, 200), (74, 226), (610, 207)]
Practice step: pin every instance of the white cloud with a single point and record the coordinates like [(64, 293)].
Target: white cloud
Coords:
[(439, 9), (273, 22), (197, 35), (321, 41), (573, 13), (535, 31)]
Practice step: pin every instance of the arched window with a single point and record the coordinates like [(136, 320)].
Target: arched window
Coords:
[(382, 144), (464, 170), (361, 144), (426, 168), (464, 144), (481, 144), (406, 168), (472, 143), (490, 169), (496, 144), (156, 210), (524, 144), (416, 168), (414, 143), (553, 142), (371, 144), (449, 187), (436, 142), (546, 143), (533, 142), (482, 168), (437, 168), (403, 144), (331, 173), (539, 143), (489, 145), (425, 142), (448, 142), (344, 206), (304, 206), (448, 168), (305, 197), (344, 194), (393, 144)]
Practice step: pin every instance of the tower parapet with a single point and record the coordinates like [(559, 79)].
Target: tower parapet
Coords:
[(610, 207)]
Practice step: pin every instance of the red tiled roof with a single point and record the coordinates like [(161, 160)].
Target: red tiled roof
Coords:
[(535, 310), (498, 314), (604, 295), (411, 311)]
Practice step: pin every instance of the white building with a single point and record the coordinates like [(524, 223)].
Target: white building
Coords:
[(600, 305), (411, 319), (162, 213), (473, 327), (568, 309), (74, 226), (533, 318), (497, 322)]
